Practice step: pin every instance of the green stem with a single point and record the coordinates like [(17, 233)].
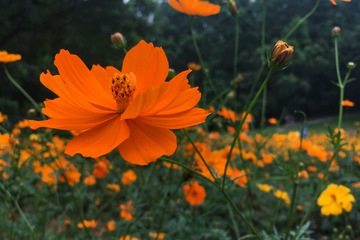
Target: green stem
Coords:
[(236, 44), (21, 89), (233, 220), (27, 223), (301, 21), (292, 208), (201, 156), (263, 109), (295, 178), (203, 67), (4, 130), (238, 129), (169, 160)]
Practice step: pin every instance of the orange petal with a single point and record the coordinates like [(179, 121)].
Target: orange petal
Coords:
[(79, 78), (179, 120), (146, 143), (99, 140), (148, 63)]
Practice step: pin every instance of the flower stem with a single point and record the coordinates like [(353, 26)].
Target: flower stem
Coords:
[(22, 90), (263, 109), (201, 156), (341, 83), (27, 223), (236, 45), (238, 129), (202, 63), (295, 177), (301, 21)]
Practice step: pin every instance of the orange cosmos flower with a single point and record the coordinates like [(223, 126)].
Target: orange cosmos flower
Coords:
[(194, 66), (128, 177), (272, 121), (347, 103), (5, 57), (87, 224), (111, 225), (228, 114), (194, 193), (127, 211), (113, 186), (334, 2), (131, 110), (195, 7)]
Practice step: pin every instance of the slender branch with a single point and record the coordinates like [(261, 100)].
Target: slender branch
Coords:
[(22, 90), (301, 21), (238, 129)]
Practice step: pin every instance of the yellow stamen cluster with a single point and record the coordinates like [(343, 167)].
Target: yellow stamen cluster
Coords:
[(122, 88)]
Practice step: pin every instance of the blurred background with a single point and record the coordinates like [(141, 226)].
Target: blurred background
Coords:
[(38, 29)]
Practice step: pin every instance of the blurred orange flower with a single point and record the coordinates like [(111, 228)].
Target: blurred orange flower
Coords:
[(2, 117), (228, 114), (127, 211), (100, 168), (194, 193), (347, 103), (128, 177), (195, 7), (239, 177), (89, 180), (113, 186), (110, 225), (5, 57), (272, 121), (87, 224), (194, 66), (156, 235), (334, 1), (131, 110)]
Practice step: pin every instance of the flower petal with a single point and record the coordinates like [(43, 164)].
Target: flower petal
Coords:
[(99, 140), (146, 143), (148, 63), (79, 78)]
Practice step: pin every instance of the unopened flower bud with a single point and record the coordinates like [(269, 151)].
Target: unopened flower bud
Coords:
[(118, 40), (280, 55), (351, 65), (232, 8), (335, 32)]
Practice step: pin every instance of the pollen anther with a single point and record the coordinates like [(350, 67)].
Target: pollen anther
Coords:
[(122, 88)]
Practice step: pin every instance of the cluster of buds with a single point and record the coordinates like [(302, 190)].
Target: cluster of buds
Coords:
[(280, 55), (118, 40)]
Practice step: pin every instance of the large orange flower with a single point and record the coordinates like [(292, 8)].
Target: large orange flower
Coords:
[(131, 110), (195, 7)]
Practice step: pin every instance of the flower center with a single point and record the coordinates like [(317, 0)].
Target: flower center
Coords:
[(333, 196), (122, 88)]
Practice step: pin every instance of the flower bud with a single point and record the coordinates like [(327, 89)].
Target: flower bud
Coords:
[(118, 40), (351, 65), (280, 55), (232, 8), (335, 32)]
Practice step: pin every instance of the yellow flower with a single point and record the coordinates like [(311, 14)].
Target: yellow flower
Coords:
[(334, 199), (282, 195), (265, 187)]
